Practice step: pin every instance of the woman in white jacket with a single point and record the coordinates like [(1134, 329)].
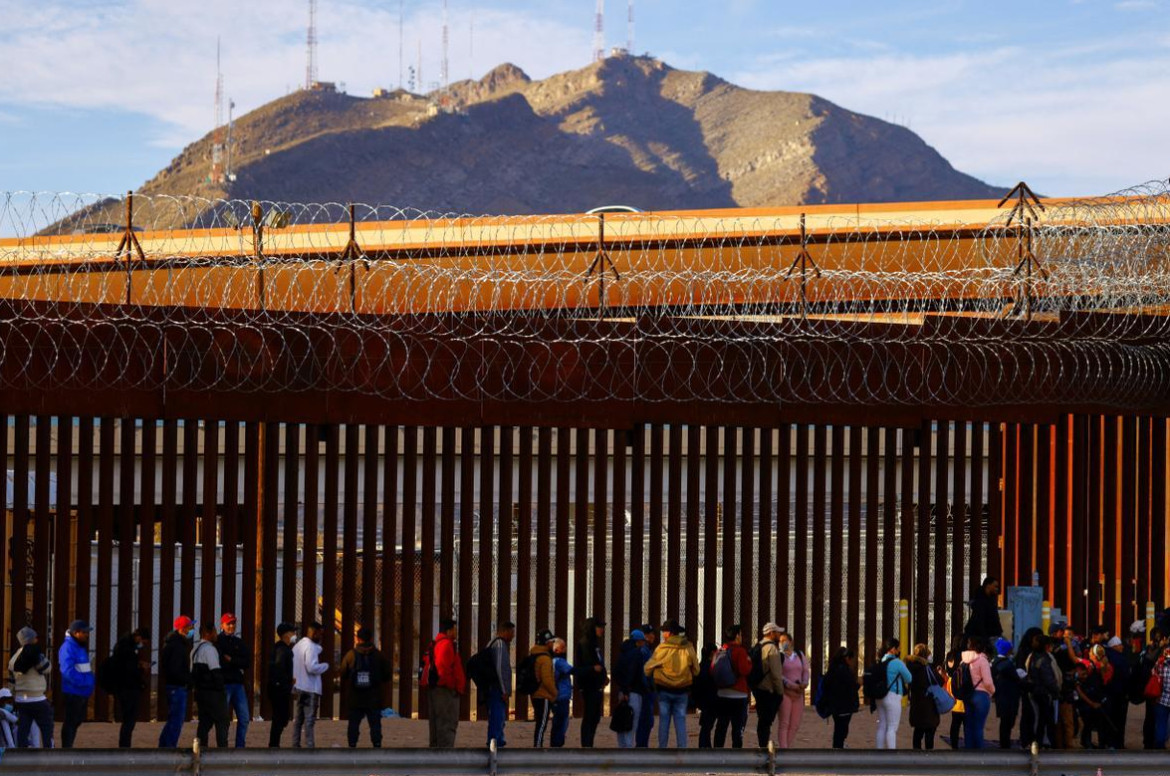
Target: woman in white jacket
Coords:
[(307, 670)]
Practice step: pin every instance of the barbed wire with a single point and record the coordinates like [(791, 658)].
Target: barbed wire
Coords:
[(276, 297)]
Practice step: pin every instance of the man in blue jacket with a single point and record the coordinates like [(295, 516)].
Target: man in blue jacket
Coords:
[(76, 679)]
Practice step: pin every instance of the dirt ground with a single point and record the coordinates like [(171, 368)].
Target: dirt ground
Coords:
[(814, 733)]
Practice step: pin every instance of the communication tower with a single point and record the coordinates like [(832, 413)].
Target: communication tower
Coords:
[(599, 32), (311, 47), (630, 29), (217, 138)]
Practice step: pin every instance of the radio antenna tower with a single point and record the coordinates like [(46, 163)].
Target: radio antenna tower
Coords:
[(401, 3), (599, 32), (443, 68), (630, 30), (217, 144), (311, 47)]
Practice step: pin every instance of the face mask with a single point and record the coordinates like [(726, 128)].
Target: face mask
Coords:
[(788, 646), (191, 635), (8, 707), (292, 640)]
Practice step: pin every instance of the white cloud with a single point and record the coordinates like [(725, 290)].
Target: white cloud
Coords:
[(1072, 121), (158, 58), (1136, 5)]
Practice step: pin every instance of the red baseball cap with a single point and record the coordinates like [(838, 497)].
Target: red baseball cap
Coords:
[(228, 617), (183, 621)]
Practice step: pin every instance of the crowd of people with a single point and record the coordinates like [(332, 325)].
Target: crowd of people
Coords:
[(1057, 690)]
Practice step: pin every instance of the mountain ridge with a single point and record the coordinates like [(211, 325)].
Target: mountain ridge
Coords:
[(628, 130)]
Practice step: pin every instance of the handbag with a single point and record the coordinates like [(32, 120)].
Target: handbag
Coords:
[(943, 701), (622, 720), (1154, 683)]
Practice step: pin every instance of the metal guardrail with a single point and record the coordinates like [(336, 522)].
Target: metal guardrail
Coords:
[(375, 762)]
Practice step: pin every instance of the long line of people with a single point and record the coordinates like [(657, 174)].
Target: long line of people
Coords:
[(1062, 689)]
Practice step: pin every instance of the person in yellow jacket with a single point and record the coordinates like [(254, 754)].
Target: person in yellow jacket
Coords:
[(673, 668), (545, 694)]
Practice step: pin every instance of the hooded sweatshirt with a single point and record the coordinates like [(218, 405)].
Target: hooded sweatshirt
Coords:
[(175, 663), (365, 658), (545, 672), (980, 671), (674, 665), (629, 672), (307, 669)]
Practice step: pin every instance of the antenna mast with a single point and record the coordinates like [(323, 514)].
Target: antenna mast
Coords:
[(217, 143), (630, 30), (599, 32), (401, 3), (443, 73), (311, 47)]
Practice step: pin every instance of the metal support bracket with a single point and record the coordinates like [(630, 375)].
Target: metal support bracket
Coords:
[(803, 261), (1024, 213), (602, 264), (350, 256), (129, 245)]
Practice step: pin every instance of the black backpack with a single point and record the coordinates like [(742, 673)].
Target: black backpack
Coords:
[(875, 682), (527, 680), (756, 675), (481, 668), (364, 676), (962, 683)]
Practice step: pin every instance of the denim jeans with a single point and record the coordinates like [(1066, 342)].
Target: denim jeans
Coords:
[(497, 715), (977, 710), (305, 721), (1161, 725), (626, 740), (238, 702), (672, 707), (176, 714)]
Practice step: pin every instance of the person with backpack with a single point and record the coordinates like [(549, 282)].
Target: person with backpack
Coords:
[(839, 693), (650, 697), (1148, 658), (673, 668), (563, 673), (365, 670), (235, 658), (885, 687), (499, 650), (307, 672), (280, 682), (977, 688), (444, 681), (123, 676), (77, 679), (207, 682), (592, 676), (1009, 689), (924, 716), (1091, 705), (796, 675), (629, 684), (729, 672), (175, 674), (952, 663), (29, 668), (767, 680), (536, 677), (706, 701)]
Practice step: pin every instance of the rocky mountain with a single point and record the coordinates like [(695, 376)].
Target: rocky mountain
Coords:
[(628, 130)]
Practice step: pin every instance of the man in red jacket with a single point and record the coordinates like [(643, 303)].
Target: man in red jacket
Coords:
[(729, 671), (444, 681)]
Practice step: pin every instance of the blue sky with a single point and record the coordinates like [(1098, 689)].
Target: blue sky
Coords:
[(1071, 95)]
